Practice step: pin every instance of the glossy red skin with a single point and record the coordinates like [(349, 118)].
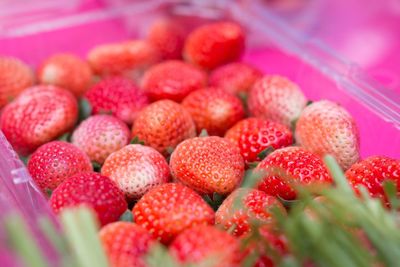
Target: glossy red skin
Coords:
[(39, 115), (214, 44), (118, 96), (235, 78), (66, 71), (129, 58), (54, 162), (97, 191), (214, 110), (163, 125), (372, 172), (126, 244), (253, 135), (208, 164), (168, 36), (203, 243), (136, 169), (15, 76), (291, 165), (251, 204), (172, 79), (100, 135), (168, 209), (325, 128), (276, 98)]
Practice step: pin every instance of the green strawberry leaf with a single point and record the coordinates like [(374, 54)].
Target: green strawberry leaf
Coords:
[(203, 133), (85, 109), (263, 154), (136, 141), (215, 200), (160, 256), (391, 194), (65, 137), (127, 216), (24, 159), (253, 164), (96, 166), (309, 102)]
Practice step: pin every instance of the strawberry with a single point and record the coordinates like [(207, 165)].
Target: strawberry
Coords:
[(168, 36), (170, 208), (289, 166), (235, 78), (38, 115), (100, 135), (325, 128), (253, 135), (243, 206), (118, 96), (126, 244), (136, 169), (172, 79), (214, 44), (206, 244), (277, 99), (129, 58), (163, 125), (15, 76), (208, 165), (372, 173), (94, 190), (66, 71), (54, 162), (214, 110)]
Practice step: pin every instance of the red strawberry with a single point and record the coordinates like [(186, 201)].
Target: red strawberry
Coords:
[(94, 190), (206, 244), (136, 169), (168, 209), (126, 58), (54, 162), (325, 128), (15, 76), (208, 164), (253, 135), (244, 205), (100, 135), (214, 110), (172, 79), (290, 166), (126, 244), (119, 96), (235, 78), (66, 71), (168, 36), (163, 125), (372, 172), (276, 98), (214, 44), (39, 115)]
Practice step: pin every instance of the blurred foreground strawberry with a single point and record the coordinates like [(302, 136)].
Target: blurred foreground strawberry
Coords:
[(126, 244), (214, 44), (206, 244), (236, 78), (254, 135), (66, 71), (288, 167), (172, 79), (214, 110), (277, 99), (92, 189), (15, 76), (39, 115), (326, 128), (54, 162), (243, 206), (208, 165), (163, 125), (136, 169), (168, 209), (117, 96), (100, 135)]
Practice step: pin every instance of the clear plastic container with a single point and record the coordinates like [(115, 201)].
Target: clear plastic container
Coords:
[(282, 40)]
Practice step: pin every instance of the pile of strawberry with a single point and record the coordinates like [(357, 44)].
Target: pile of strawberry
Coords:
[(165, 130)]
